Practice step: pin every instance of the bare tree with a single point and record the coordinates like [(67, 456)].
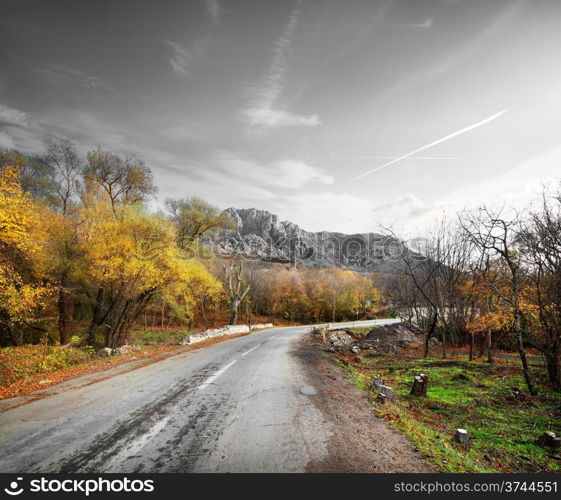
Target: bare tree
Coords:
[(541, 240), (495, 232), (65, 167), (125, 179), (236, 286)]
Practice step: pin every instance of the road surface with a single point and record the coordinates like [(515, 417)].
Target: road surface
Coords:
[(243, 405)]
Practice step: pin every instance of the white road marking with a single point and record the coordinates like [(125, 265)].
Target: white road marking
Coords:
[(249, 350), (274, 337), (212, 378)]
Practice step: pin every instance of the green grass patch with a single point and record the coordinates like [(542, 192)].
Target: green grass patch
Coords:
[(490, 401), (360, 331), (148, 337)]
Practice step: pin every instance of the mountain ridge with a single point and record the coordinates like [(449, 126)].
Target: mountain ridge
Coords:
[(262, 235)]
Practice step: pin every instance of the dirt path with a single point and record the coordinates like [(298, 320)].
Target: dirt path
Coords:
[(361, 442)]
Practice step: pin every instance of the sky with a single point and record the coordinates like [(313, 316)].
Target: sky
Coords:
[(338, 115)]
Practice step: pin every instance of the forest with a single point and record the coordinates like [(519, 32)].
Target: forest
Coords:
[(84, 259), (489, 278)]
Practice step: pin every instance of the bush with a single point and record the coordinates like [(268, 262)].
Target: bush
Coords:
[(147, 337), (17, 363)]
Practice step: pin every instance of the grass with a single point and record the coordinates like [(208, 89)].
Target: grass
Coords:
[(490, 401), (17, 363), (148, 337), (360, 331)]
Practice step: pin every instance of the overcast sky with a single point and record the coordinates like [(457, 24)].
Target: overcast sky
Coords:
[(280, 104)]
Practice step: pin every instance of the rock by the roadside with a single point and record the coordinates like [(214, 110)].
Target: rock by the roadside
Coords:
[(461, 436), (377, 382), (339, 338), (358, 359), (105, 352), (381, 398), (355, 349), (549, 439), (124, 349), (216, 332), (387, 392), (390, 338)]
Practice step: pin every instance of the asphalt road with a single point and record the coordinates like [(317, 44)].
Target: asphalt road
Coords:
[(243, 405)]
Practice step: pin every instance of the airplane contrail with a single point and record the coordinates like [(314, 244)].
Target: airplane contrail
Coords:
[(430, 145), (343, 157)]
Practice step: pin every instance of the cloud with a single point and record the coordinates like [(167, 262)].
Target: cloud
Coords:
[(20, 130), (270, 118), (6, 142), (182, 133), (68, 78), (240, 169), (437, 69), (326, 211), (182, 59), (408, 205), (427, 23), (214, 9), (264, 111), (12, 117)]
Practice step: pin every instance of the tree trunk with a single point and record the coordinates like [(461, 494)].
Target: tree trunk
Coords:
[(420, 385), (489, 346), (15, 338), (202, 310), (521, 350), (96, 312), (428, 335), (62, 306), (471, 345), (553, 367), (234, 311)]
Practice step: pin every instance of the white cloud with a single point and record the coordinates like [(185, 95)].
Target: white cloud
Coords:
[(264, 111), (214, 9), (12, 117), (182, 59), (68, 78), (516, 187), (269, 118), (6, 142), (327, 211), (427, 23), (239, 169)]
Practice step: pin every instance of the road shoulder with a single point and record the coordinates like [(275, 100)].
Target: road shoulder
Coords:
[(360, 441)]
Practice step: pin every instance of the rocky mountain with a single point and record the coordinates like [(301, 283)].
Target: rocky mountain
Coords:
[(261, 235)]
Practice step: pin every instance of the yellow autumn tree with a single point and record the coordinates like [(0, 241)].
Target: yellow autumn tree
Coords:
[(129, 258), (24, 289)]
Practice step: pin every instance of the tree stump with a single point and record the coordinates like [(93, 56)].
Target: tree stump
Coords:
[(462, 436), (549, 439), (387, 392), (420, 385)]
